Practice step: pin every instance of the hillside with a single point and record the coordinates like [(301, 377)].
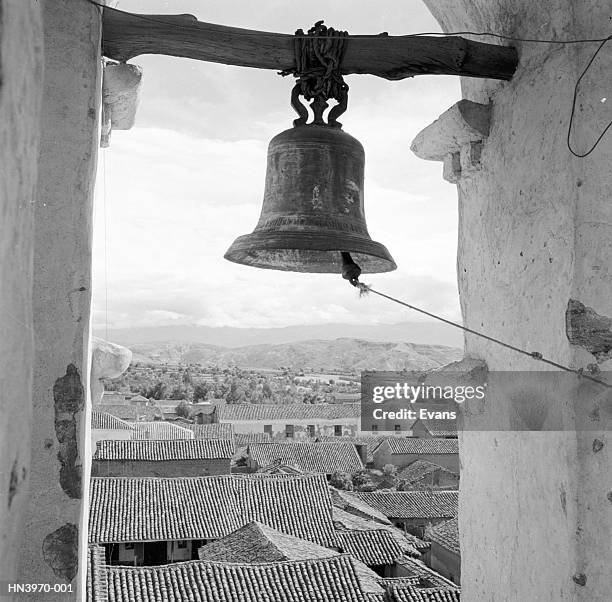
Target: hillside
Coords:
[(427, 333), (343, 354)]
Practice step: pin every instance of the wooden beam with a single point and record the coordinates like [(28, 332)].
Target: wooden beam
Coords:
[(126, 35)]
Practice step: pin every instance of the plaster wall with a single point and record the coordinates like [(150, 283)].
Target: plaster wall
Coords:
[(534, 233), (350, 427), (61, 296), (21, 64)]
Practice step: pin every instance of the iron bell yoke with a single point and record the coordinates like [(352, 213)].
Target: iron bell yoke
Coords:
[(312, 219)]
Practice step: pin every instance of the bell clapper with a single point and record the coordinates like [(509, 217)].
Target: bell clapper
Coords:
[(350, 270)]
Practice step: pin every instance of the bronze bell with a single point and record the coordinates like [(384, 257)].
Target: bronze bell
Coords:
[(313, 207)]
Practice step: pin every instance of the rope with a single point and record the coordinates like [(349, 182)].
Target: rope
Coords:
[(364, 289), (318, 57)]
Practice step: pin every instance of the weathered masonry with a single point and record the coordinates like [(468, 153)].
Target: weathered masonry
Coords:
[(534, 256)]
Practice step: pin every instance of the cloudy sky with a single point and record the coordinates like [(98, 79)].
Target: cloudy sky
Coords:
[(175, 191)]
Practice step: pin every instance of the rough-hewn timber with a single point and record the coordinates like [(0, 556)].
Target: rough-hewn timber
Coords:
[(128, 35)]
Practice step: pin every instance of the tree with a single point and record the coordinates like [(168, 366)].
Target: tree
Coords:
[(200, 391), (267, 391), (184, 410), (341, 480)]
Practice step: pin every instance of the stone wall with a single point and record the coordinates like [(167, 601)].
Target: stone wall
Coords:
[(535, 251), (21, 63)]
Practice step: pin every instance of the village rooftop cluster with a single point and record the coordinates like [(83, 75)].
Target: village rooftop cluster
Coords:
[(269, 502)]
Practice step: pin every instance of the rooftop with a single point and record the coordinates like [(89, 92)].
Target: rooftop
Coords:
[(159, 509), (105, 421), (372, 547), (161, 450), (414, 445), (426, 576), (130, 412), (371, 443), (244, 439), (407, 593), (160, 429), (332, 579), (447, 535), (419, 469), (345, 521), (257, 542), (293, 411), (413, 504), (325, 458), (351, 503), (439, 428)]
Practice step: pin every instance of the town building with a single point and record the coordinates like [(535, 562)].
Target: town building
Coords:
[(162, 458), (422, 474), (413, 511), (445, 554), (403, 451), (292, 421), (324, 458), (148, 521)]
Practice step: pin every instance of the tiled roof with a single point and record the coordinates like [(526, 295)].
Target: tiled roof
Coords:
[(417, 594), (372, 547), (216, 430), (160, 429), (96, 582), (138, 398), (129, 412), (280, 469), (440, 428), (419, 469), (345, 521), (426, 576), (293, 411), (155, 509), (331, 579), (244, 439), (371, 443), (415, 445), (161, 450), (413, 504), (257, 542), (324, 458), (106, 421), (351, 503), (447, 535)]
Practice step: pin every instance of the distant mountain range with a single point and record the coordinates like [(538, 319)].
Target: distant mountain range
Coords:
[(343, 354), (426, 333)]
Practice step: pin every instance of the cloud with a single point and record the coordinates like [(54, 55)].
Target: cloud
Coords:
[(176, 190)]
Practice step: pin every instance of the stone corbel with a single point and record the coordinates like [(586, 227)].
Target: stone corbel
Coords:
[(108, 360), (456, 138), (120, 95)]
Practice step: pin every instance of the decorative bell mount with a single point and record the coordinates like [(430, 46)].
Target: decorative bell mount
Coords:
[(312, 219)]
